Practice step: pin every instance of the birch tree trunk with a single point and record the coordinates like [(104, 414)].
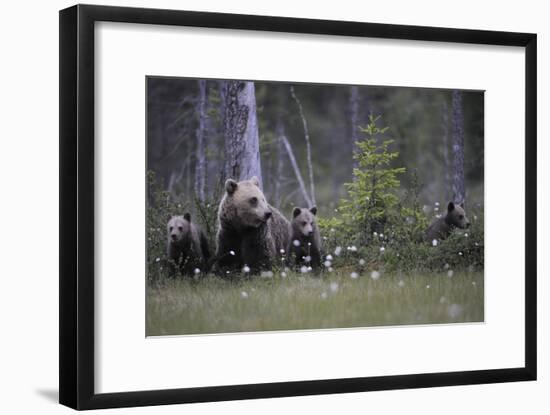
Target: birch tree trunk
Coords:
[(242, 147), (458, 148), (200, 167), (308, 146)]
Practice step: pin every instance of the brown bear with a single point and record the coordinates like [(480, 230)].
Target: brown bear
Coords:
[(250, 232), (442, 227), (187, 246), (305, 242)]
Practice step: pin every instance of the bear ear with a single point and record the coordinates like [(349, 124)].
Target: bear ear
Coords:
[(296, 212), (313, 210), (255, 181), (462, 205), (187, 216), (450, 207), (230, 186)]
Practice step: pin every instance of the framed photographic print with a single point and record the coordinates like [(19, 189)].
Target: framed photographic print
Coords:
[(258, 206)]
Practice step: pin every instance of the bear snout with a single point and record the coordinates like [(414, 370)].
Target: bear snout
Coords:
[(174, 236), (268, 214)]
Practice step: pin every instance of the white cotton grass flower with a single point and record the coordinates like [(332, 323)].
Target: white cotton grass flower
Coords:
[(354, 275), (443, 300), (332, 230), (309, 244), (330, 269), (362, 262), (381, 236), (401, 283), (466, 235), (157, 260), (460, 253), (329, 257), (303, 269), (246, 269), (434, 242), (375, 275), (282, 251), (446, 266), (196, 271), (266, 274), (454, 310), (296, 242), (324, 295), (450, 273), (375, 234), (353, 248), (437, 203), (474, 283), (307, 258), (309, 269), (327, 264), (244, 294), (334, 287), (338, 250), (232, 253), (428, 286), (382, 249), (283, 274)]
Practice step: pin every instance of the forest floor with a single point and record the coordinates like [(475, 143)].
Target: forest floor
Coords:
[(335, 300)]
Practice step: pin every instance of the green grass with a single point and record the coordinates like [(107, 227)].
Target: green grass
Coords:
[(335, 300)]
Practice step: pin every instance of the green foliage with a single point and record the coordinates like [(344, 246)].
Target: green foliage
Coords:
[(372, 195), (161, 205)]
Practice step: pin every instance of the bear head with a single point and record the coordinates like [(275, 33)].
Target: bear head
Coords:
[(456, 216), (303, 221), (178, 227), (245, 203)]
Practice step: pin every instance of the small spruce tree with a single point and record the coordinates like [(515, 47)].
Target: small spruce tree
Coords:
[(372, 195)]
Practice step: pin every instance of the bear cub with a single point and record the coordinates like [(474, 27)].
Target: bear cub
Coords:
[(305, 242), (441, 228), (250, 231), (187, 246)]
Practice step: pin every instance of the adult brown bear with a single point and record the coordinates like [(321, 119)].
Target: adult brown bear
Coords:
[(250, 232)]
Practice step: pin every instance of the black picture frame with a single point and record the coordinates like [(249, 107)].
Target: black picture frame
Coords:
[(76, 280)]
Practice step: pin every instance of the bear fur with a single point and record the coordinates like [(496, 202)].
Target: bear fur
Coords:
[(187, 246), (441, 228), (304, 247), (250, 231)]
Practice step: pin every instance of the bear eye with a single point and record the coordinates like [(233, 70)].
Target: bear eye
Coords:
[(304, 223), (171, 228), (180, 228), (253, 200), (461, 217)]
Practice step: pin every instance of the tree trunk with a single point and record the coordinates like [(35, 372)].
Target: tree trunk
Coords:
[(296, 169), (200, 167), (242, 147), (445, 144), (458, 148), (308, 145), (280, 132)]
